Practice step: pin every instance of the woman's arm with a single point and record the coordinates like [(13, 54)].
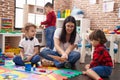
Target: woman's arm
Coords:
[(57, 46), (70, 48)]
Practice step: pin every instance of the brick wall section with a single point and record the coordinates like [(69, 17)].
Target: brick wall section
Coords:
[(94, 12), (99, 19), (7, 8), (62, 4)]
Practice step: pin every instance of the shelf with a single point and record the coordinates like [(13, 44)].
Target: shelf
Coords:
[(6, 23)]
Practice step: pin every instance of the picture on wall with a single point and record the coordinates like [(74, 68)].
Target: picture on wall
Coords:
[(92, 1), (108, 6)]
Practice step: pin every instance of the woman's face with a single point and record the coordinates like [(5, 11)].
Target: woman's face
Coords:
[(69, 27)]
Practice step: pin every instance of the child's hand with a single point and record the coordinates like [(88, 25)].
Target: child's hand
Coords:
[(42, 26), (27, 59)]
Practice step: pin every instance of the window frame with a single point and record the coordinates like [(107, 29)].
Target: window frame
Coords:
[(15, 28)]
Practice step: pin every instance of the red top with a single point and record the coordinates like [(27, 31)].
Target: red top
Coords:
[(50, 19), (101, 57)]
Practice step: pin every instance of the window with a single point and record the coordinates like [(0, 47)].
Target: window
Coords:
[(33, 18)]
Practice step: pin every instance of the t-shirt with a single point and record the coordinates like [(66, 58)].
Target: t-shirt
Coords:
[(65, 45), (28, 45)]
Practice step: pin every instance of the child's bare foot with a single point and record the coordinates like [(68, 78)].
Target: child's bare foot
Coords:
[(46, 62), (84, 72)]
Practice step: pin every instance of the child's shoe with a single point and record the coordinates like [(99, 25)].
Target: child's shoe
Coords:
[(67, 65)]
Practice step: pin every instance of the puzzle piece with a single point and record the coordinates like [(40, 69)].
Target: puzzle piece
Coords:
[(68, 72)]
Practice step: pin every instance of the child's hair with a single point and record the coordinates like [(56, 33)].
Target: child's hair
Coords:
[(28, 25), (49, 5), (98, 35)]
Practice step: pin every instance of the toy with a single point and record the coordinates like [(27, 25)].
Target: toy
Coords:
[(2, 59), (68, 72), (28, 66), (9, 54), (34, 68)]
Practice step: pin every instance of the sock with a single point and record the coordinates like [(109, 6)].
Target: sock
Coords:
[(100, 79)]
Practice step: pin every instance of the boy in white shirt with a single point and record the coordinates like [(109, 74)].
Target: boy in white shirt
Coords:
[(29, 46)]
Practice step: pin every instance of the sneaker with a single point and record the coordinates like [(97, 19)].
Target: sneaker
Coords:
[(67, 65)]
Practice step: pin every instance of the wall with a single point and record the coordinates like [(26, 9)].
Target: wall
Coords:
[(62, 4), (94, 12), (7, 8)]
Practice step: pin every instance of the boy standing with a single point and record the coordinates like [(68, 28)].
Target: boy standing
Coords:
[(49, 24), (29, 46)]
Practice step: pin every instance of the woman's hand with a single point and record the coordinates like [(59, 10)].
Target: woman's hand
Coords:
[(64, 56), (87, 66)]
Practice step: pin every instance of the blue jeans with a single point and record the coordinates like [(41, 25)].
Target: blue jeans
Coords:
[(18, 60), (103, 71), (72, 57), (49, 33)]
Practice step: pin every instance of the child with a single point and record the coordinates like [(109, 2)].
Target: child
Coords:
[(101, 64), (29, 46), (50, 24)]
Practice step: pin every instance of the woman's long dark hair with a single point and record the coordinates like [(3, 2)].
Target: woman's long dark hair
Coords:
[(73, 34)]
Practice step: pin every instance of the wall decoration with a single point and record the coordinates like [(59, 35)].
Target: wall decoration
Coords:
[(108, 6), (119, 13), (92, 1)]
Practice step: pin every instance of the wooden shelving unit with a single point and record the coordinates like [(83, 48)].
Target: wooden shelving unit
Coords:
[(33, 9)]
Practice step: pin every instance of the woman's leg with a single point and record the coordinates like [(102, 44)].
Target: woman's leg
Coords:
[(46, 52), (18, 61), (35, 59), (73, 57)]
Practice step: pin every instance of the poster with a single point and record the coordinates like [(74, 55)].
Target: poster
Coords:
[(108, 6), (119, 13)]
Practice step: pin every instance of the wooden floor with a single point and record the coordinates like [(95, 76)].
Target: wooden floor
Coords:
[(114, 76)]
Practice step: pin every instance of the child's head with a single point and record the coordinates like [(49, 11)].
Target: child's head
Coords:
[(97, 37), (48, 7), (30, 29)]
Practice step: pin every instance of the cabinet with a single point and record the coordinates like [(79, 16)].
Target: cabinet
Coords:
[(40, 35), (9, 39), (35, 12), (83, 24)]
